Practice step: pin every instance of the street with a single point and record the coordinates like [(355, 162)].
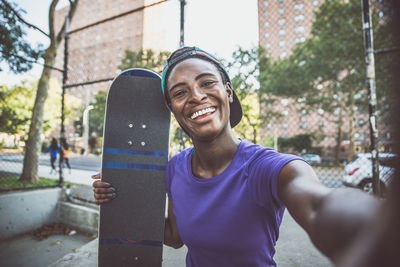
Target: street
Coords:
[(85, 166)]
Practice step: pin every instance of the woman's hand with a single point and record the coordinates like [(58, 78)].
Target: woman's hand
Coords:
[(103, 192)]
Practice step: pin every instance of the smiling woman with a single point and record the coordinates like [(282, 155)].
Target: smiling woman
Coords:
[(227, 196)]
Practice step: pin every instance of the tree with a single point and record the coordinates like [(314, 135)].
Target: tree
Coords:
[(32, 150), (146, 59), (327, 71), (245, 64), (15, 105), (96, 116), (15, 51)]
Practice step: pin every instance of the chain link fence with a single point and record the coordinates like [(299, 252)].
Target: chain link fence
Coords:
[(312, 95)]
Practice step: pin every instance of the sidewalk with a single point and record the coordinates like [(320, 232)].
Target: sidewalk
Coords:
[(293, 249)]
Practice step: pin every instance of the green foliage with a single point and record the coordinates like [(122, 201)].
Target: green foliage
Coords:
[(246, 65), (96, 115), (12, 183), (298, 142), (15, 108), (13, 47), (328, 70), (146, 59)]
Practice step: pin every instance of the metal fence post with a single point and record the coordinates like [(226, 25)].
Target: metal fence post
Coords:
[(64, 82), (370, 69)]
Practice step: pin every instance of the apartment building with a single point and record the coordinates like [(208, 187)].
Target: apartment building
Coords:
[(95, 52), (282, 25)]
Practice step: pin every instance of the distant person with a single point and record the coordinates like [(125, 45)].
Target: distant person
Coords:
[(65, 153), (53, 148)]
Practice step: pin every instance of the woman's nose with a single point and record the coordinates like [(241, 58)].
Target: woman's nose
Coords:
[(198, 93)]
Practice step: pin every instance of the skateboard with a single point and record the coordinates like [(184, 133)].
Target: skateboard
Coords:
[(135, 155)]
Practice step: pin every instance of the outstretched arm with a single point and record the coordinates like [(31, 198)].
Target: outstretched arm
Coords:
[(332, 217)]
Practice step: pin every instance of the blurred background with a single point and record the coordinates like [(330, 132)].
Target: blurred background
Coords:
[(315, 78), (299, 68)]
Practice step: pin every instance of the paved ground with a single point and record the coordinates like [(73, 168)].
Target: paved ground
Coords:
[(293, 249), (24, 251)]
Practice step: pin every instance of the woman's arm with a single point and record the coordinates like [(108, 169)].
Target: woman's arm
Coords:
[(171, 234), (331, 217)]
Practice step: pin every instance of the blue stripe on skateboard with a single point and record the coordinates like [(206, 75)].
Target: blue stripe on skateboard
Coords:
[(129, 242), (123, 165), (134, 152)]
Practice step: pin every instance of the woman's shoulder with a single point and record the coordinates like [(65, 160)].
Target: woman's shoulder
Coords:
[(181, 155), (255, 152)]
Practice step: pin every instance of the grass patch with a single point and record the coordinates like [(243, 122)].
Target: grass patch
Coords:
[(10, 183)]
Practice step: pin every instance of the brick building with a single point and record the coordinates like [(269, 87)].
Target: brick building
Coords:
[(283, 24), (95, 52)]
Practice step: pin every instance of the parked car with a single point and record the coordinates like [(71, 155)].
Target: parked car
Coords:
[(358, 173), (313, 159)]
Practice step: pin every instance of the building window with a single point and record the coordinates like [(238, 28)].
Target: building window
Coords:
[(283, 55), (321, 124), (280, 1), (281, 10), (266, 35), (265, 14), (303, 112), (282, 32), (298, 7), (300, 40), (281, 21), (284, 102), (268, 46), (285, 126), (299, 18), (315, 3), (359, 136), (266, 24), (282, 43), (265, 3), (303, 125), (299, 29)]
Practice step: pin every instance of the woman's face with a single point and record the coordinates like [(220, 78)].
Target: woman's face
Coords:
[(199, 99)]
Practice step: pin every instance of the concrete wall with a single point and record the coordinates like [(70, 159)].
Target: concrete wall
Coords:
[(82, 218), (25, 211)]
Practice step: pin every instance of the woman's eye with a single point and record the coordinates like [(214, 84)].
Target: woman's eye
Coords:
[(178, 93), (207, 83)]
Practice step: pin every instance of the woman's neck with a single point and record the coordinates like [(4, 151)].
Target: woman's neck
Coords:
[(212, 157)]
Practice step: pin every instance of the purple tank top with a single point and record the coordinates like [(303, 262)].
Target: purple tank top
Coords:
[(232, 219)]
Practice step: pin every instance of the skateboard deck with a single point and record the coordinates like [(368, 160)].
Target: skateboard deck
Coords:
[(135, 155)]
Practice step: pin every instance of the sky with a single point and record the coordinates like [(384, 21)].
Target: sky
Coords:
[(217, 26)]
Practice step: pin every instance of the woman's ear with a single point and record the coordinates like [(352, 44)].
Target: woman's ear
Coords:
[(229, 90)]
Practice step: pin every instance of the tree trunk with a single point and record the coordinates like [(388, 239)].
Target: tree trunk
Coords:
[(32, 149)]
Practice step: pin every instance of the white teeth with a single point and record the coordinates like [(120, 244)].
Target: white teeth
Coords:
[(201, 112)]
